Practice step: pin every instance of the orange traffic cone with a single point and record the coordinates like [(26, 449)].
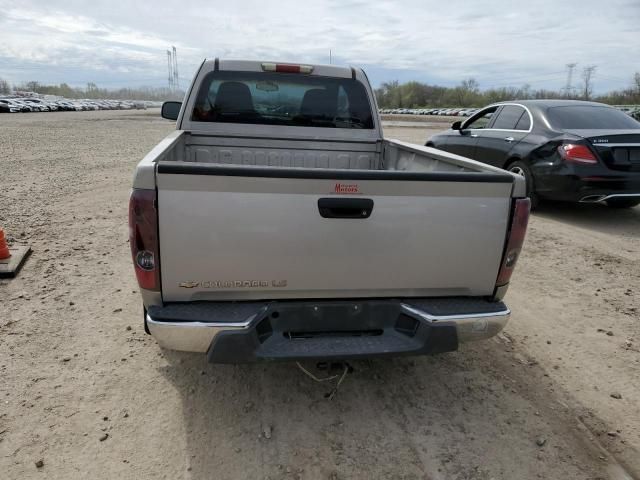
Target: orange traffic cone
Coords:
[(4, 248)]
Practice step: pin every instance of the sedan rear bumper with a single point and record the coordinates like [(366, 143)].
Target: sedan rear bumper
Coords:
[(608, 196), (586, 184), (245, 332)]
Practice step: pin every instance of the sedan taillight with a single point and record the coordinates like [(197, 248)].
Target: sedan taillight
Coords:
[(143, 238), (515, 240), (580, 154)]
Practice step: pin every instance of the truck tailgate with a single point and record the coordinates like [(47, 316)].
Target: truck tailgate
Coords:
[(247, 233)]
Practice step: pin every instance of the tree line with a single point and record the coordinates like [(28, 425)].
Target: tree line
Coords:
[(390, 94), (92, 91), (468, 94)]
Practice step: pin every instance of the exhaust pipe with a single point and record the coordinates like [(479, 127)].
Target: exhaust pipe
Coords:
[(593, 198), (601, 198)]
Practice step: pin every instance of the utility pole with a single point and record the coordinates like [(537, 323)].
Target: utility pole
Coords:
[(176, 78), (587, 73), (170, 66), (568, 89), (329, 56)]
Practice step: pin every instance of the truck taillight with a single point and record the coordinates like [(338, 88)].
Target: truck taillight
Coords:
[(515, 239), (143, 238)]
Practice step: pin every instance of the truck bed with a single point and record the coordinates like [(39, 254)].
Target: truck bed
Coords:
[(301, 153), (241, 219)]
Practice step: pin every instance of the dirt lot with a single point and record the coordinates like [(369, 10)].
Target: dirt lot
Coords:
[(76, 366)]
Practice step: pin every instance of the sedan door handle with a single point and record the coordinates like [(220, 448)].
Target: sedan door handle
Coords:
[(509, 139), (473, 135)]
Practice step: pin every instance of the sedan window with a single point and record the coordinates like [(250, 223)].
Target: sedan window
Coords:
[(590, 117), (524, 123), (481, 121), (508, 117)]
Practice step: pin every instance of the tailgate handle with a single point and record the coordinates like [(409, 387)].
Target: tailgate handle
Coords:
[(345, 207)]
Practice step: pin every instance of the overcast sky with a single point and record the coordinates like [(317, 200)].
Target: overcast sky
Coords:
[(500, 43)]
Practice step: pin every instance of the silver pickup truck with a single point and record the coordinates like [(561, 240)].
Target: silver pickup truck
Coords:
[(276, 223)]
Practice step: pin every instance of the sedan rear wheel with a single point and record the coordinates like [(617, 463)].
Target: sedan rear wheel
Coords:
[(520, 168)]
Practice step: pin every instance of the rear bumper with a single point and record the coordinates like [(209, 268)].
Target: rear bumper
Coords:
[(586, 184), (608, 196), (252, 331)]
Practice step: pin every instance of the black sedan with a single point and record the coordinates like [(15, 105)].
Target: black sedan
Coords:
[(566, 149)]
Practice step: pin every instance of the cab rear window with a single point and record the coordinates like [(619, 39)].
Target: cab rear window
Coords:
[(266, 98)]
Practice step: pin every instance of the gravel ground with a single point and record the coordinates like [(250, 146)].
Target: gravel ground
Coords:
[(86, 392)]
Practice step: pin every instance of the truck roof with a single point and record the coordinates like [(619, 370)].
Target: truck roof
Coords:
[(259, 66)]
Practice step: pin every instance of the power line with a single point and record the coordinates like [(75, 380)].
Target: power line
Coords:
[(529, 80)]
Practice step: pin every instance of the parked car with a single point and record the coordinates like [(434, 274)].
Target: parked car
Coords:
[(8, 106), (5, 108), (66, 106), (37, 104), (25, 107), (467, 112), (302, 233), (90, 105), (566, 150)]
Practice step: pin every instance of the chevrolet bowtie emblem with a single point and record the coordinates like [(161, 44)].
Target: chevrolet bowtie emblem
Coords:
[(188, 284)]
